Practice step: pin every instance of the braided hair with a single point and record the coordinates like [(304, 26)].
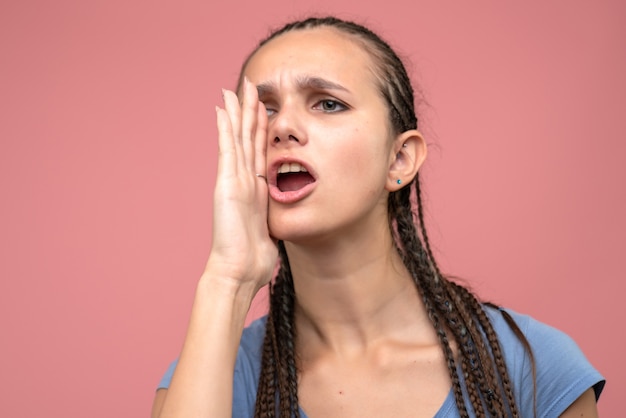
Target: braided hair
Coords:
[(477, 370)]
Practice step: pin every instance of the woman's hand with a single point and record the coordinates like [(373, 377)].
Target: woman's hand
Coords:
[(242, 249), (241, 261)]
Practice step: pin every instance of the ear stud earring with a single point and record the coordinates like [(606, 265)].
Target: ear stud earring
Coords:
[(399, 181)]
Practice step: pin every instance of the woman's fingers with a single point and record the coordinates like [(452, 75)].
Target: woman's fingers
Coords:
[(260, 141), (243, 129), (232, 107), (250, 105), (233, 112), (227, 161)]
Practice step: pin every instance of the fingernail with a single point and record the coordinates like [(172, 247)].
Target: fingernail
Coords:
[(223, 92)]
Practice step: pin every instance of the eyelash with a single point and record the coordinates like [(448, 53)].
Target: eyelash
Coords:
[(336, 103), (339, 107), (269, 111)]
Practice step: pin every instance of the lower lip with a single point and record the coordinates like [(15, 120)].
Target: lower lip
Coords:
[(292, 196)]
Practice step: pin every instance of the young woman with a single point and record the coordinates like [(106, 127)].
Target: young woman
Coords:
[(318, 162)]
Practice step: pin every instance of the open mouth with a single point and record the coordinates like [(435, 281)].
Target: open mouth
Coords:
[(292, 177)]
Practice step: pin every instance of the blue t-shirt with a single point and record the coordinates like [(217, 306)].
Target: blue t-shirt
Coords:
[(563, 372)]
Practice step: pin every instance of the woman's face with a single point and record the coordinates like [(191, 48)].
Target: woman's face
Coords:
[(326, 116)]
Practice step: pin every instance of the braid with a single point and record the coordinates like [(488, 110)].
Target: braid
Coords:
[(478, 371), (286, 348), (494, 344), (474, 358), (278, 365), (265, 400), (533, 366)]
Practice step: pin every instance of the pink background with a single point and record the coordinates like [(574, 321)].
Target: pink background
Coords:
[(107, 157)]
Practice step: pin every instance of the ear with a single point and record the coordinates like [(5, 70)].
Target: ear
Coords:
[(408, 154)]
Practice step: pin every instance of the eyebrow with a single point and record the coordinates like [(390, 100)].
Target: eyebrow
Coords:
[(303, 83)]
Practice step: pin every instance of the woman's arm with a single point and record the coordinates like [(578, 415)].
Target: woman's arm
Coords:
[(584, 407), (241, 261), (203, 381), (157, 404), (205, 368)]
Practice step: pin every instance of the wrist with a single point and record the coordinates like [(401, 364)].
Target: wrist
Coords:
[(227, 287)]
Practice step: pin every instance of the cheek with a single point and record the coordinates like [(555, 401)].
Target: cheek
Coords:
[(356, 150), (369, 151), (363, 164)]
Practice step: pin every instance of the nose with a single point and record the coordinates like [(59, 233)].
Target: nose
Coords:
[(286, 127), (289, 137)]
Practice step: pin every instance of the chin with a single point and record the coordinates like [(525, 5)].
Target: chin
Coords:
[(296, 231), (289, 224), (286, 232)]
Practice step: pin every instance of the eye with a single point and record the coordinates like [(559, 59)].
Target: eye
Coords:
[(330, 106), (270, 109)]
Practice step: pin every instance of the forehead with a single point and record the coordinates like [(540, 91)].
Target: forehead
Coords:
[(320, 52)]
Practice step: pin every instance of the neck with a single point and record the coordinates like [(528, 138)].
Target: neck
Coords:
[(352, 292)]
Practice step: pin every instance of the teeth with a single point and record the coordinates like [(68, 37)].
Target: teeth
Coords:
[(291, 168)]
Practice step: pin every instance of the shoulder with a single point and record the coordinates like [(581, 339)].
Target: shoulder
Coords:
[(550, 347), (542, 337), (562, 371)]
